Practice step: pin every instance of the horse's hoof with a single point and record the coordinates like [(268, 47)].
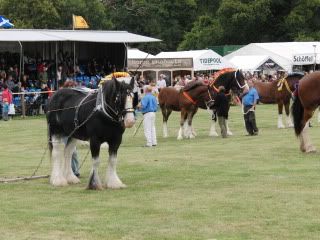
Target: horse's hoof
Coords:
[(229, 134), (213, 134), (179, 138), (281, 126), (73, 180), (191, 136), (311, 149), (115, 185), (58, 182)]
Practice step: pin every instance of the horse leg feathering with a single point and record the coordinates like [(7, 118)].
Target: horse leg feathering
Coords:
[(129, 119), (57, 177), (69, 149), (94, 179), (112, 179)]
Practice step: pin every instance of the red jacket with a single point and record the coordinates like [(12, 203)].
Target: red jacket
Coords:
[(6, 96)]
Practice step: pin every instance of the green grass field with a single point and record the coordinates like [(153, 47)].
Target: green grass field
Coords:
[(236, 188)]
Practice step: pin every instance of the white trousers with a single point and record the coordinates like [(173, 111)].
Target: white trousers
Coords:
[(150, 128)]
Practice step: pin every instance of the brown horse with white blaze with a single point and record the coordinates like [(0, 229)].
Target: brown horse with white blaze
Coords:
[(188, 100), (280, 92), (194, 95), (307, 99)]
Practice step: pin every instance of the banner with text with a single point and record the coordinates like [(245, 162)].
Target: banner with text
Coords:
[(303, 59)]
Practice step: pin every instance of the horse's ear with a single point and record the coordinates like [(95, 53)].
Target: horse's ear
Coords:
[(116, 82), (132, 81)]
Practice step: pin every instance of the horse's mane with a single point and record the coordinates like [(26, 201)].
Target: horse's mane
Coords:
[(222, 72), (221, 75), (192, 85)]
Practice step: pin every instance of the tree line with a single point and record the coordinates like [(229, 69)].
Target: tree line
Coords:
[(181, 24)]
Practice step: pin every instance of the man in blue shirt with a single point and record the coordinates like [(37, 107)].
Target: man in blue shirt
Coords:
[(149, 107), (249, 102)]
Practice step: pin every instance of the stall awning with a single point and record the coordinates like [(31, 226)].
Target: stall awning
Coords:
[(38, 35), (202, 59)]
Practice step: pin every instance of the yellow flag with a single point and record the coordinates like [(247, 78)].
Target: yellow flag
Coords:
[(79, 22)]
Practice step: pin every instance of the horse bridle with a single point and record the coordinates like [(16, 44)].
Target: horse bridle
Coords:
[(235, 77), (101, 105), (211, 101)]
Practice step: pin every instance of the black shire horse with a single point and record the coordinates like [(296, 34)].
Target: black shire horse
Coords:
[(99, 116)]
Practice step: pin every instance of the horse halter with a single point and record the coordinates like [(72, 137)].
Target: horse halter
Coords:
[(103, 106), (211, 100), (235, 77)]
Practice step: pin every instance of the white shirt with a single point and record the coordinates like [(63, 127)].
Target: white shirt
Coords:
[(161, 83)]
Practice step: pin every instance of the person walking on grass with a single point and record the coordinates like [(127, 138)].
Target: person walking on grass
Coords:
[(221, 106), (249, 102), (149, 107)]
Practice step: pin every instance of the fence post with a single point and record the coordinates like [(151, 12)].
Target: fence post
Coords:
[(23, 106)]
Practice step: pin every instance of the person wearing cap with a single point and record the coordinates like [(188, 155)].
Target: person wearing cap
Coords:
[(149, 107)]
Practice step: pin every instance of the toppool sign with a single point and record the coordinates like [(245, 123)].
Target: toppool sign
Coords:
[(210, 61), (160, 63), (303, 59)]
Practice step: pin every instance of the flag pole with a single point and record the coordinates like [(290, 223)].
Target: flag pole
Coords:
[(74, 47)]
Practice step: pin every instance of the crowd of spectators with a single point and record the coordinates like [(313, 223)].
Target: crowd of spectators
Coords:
[(40, 75)]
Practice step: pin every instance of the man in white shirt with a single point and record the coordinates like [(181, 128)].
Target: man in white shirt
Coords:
[(161, 83)]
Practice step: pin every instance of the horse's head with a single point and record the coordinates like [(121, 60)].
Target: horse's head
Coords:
[(202, 93), (231, 79), (119, 100), (238, 83)]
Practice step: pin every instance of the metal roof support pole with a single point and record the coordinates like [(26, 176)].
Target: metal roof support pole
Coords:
[(74, 59), (21, 67), (23, 107), (57, 84)]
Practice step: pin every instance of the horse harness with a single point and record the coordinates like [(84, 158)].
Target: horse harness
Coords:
[(187, 96), (283, 81), (100, 107), (194, 102)]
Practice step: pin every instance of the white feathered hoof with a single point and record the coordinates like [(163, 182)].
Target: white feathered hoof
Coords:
[(94, 182), (311, 149), (58, 181), (115, 185), (213, 134), (229, 133), (72, 179)]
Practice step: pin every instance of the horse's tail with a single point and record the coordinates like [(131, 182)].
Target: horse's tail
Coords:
[(297, 111)]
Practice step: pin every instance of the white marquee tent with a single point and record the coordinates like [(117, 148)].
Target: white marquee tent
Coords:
[(253, 63), (134, 53), (285, 54), (173, 64), (203, 60)]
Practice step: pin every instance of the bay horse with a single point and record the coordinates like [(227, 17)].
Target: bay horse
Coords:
[(279, 92), (193, 96), (307, 99), (98, 117)]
